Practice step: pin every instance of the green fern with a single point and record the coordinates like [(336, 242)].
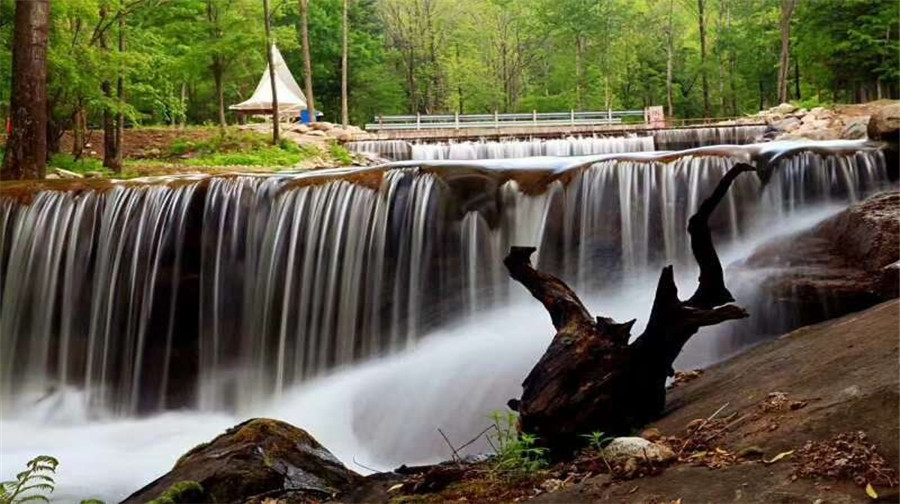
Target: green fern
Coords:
[(33, 484), (515, 451)]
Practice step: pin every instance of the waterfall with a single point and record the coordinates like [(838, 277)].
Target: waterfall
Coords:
[(506, 149), (393, 150), (222, 291), (689, 138)]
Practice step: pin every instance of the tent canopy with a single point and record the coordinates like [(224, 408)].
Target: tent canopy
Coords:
[(290, 97)]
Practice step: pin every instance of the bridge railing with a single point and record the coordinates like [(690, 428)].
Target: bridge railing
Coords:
[(495, 120)]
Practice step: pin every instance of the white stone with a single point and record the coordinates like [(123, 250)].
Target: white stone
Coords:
[(623, 448)]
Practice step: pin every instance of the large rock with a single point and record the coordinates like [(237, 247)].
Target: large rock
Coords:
[(322, 126), (854, 130), (885, 123), (847, 263), (255, 458), (623, 448), (783, 109)]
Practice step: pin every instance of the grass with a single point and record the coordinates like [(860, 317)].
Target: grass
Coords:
[(243, 148)]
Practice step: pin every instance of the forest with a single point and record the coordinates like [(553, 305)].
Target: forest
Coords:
[(185, 61)]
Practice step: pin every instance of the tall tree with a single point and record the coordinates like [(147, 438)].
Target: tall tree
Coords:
[(26, 148), (120, 90), (784, 61), (345, 28), (307, 61), (670, 55), (111, 157), (276, 116), (213, 16), (703, 74)]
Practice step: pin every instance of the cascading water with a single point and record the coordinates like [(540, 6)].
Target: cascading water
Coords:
[(224, 293), (667, 140), (507, 149), (690, 138)]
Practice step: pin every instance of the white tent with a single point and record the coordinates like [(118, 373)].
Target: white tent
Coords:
[(290, 98)]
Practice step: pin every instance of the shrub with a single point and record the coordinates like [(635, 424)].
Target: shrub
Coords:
[(515, 451), (340, 154)]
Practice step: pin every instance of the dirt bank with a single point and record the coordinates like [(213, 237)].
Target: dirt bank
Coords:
[(840, 375)]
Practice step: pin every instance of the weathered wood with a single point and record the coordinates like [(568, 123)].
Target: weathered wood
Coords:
[(590, 378)]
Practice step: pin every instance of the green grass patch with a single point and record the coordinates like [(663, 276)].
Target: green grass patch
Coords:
[(340, 154), (81, 166), (241, 148)]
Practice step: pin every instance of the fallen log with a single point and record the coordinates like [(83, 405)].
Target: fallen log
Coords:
[(590, 378)]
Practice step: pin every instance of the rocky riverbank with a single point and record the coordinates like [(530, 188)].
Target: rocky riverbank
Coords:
[(879, 120)]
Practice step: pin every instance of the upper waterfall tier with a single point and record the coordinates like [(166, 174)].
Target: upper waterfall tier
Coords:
[(218, 291), (662, 140)]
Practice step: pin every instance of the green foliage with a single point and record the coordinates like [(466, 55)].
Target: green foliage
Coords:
[(471, 56), (181, 492), (515, 451), (82, 165), (597, 440), (340, 154), (31, 485)]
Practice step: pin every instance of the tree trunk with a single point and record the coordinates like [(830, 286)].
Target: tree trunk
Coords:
[(120, 93), (578, 90), (784, 63), (590, 378), (79, 125), (218, 76), (110, 145), (670, 50), (704, 78), (307, 61), (276, 116), (183, 104), (26, 147), (345, 25)]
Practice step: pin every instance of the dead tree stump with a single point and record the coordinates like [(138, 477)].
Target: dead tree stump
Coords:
[(590, 378)]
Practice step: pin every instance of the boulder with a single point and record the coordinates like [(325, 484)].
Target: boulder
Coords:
[(884, 124), (317, 133), (844, 264), (322, 126), (783, 109), (621, 449), (340, 134), (260, 458), (854, 130), (300, 128), (788, 124)]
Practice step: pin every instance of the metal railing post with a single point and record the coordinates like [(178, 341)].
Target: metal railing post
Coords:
[(534, 117), (456, 119), (496, 119), (418, 121), (572, 117)]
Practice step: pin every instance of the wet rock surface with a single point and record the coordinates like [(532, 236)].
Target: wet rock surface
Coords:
[(258, 459), (845, 264)]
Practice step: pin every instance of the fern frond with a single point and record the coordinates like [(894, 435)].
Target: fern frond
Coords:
[(41, 477), (32, 498), (41, 486)]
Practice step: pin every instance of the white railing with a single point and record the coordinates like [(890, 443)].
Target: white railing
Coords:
[(495, 120)]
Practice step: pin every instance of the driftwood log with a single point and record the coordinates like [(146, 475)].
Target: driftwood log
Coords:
[(590, 378)]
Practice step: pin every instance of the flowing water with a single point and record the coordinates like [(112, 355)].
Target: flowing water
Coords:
[(369, 306), (660, 140)]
